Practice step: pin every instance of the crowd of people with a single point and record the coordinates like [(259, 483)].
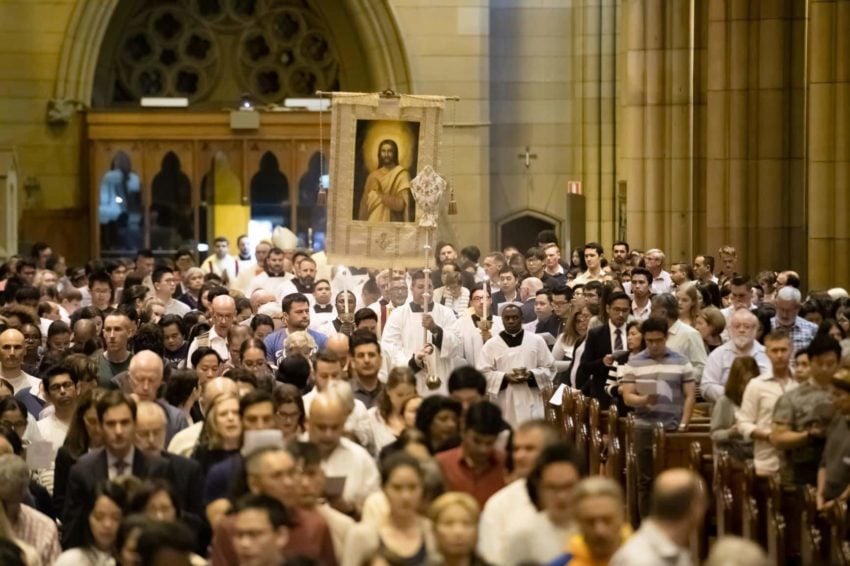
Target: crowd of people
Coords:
[(269, 409)]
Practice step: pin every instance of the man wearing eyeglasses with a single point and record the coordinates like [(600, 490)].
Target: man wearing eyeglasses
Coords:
[(601, 343), (60, 388), (223, 316)]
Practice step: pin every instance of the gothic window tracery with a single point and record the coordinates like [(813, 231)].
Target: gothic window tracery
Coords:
[(272, 49)]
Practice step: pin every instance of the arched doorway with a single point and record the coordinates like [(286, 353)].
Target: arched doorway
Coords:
[(521, 230)]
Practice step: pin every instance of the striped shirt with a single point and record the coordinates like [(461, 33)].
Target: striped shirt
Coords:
[(671, 372), (40, 532)]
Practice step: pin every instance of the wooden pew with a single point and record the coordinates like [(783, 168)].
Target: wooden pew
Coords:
[(839, 552), (703, 465), (582, 433), (673, 449), (616, 460), (777, 528), (753, 507), (550, 412), (596, 443), (632, 511), (568, 423), (815, 534), (729, 495)]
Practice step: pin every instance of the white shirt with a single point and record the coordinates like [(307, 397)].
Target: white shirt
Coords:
[(719, 363), (53, 430), (352, 461), (23, 381), (89, 556), (179, 308), (507, 508), (382, 434), (217, 343), (184, 442), (537, 541), (662, 284), (586, 277), (612, 332), (641, 314), (650, 546), (756, 413), (579, 352), (686, 340)]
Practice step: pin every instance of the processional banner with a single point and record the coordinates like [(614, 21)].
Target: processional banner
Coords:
[(378, 145)]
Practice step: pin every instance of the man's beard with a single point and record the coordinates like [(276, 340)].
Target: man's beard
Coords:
[(307, 281), (742, 342)]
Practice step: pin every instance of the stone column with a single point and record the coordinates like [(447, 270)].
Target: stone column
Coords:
[(531, 103), (596, 111), (657, 140), (754, 122), (829, 144)]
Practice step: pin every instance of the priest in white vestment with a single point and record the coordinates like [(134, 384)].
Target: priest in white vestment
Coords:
[(322, 310), (517, 365), (274, 279), (403, 338), (472, 336)]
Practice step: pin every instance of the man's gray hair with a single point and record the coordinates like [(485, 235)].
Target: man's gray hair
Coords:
[(659, 253), (668, 302), (736, 551), (14, 474), (789, 293), (597, 486)]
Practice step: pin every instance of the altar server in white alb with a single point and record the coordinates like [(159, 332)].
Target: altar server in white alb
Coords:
[(403, 338), (517, 365), (470, 333)]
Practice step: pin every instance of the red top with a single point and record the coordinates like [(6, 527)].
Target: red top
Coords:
[(310, 538), (459, 476)]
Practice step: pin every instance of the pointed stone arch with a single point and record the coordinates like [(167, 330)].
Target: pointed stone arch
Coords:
[(522, 227)]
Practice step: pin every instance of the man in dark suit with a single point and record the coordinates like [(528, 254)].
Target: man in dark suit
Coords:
[(601, 342), (116, 414), (508, 291), (184, 474)]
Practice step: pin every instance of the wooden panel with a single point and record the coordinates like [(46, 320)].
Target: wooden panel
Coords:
[(195, 138), (281, 150), (159, 169), (62, 228), (153, 124)]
